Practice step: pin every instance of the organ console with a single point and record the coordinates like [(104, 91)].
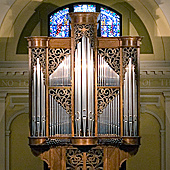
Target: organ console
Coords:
[(84, 97)]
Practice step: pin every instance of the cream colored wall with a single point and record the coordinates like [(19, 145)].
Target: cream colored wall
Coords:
[(155, 85), (148, 156), (20, 153)]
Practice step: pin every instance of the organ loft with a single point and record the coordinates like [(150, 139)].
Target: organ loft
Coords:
[(84, 96)]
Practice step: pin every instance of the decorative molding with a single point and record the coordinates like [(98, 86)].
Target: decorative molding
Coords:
[(155, 69), (2, 96), (16, 97), (14, 64), (75, 159), (14, 69), (57, 142), (111, 141), (150, 100), (167, 96), (14, 89)]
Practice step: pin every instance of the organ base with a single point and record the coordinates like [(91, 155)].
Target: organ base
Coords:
[(107, 153), (103, 157)]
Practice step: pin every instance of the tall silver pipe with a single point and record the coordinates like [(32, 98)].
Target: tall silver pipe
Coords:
[(38, 97), (118, 116), (126, 104), (116, 112), (130, 97), (89, 90), (55, 114), (108, 122), (42, 105), (92, 89), (84, 84), (52, 118), (76, 90), (79, 100), (111, 116), (34, 102), (50, 123), (100, 70), (57, 118), (134, 102)]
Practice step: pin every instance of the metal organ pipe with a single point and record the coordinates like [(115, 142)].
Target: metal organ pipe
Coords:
[(79, 80), (42, 104), (38, 97), (84, 85), (130, 101), (38, 101), (34, 102), (84, 88), (108, 122)]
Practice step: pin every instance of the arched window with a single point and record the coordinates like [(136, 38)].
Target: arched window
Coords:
[(109, 20)]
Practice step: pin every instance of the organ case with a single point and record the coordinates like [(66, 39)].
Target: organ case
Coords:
[(84, 96)]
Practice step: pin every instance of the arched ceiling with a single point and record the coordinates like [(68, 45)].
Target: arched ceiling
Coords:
[(146, 11)]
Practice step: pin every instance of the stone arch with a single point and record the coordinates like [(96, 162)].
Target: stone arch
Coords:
[(162, 135), (7, 137)]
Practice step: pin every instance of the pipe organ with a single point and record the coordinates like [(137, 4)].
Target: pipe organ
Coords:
[(84, 97)]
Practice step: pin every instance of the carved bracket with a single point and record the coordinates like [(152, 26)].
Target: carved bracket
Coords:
[(55, 57), (81, 30), (112, 57), (41, 54), (63, 97), (104, 96), (129, 52)]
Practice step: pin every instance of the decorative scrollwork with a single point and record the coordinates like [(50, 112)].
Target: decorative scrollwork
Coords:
[(111, 141), (74, 159), (57, 142), (112, 57), (63, 97), (86, 30), (55, 57), (94, 159), (104, 96), (41, 54), (129, 52)]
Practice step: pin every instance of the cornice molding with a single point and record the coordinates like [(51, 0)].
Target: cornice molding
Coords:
[(13, 69), (155, 69)]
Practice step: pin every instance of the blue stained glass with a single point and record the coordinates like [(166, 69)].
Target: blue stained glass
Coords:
[(59, 23), (110, 23), (85, 8)]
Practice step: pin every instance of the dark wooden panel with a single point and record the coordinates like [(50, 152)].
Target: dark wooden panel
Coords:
[(107, 42), (60, 42)]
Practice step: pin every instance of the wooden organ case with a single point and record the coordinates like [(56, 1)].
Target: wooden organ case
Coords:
[(84, 97)]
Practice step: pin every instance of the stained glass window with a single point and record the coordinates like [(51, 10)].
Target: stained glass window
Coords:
[(85, 8), (110, 23), (109, 20), (59, 23)]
